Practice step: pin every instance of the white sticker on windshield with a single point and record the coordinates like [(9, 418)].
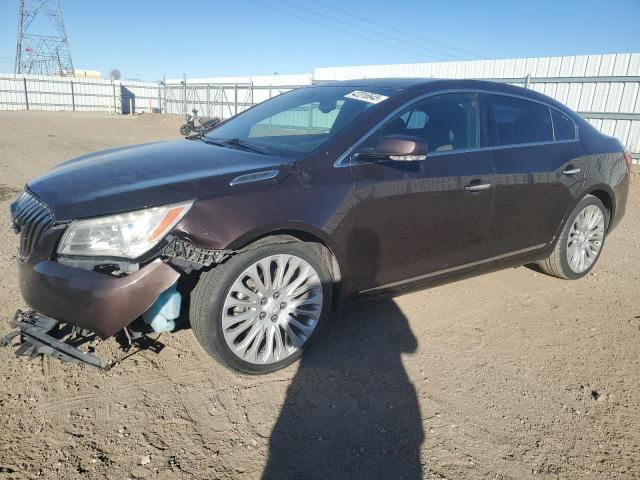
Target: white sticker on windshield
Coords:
[(368, 97)]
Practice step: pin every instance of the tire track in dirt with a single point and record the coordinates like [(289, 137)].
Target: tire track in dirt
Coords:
[(106, 394), (211, 414)]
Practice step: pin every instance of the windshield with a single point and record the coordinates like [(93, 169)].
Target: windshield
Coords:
[(298, 122)]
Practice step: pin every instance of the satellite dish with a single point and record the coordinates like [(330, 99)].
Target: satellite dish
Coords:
[(114, 74)]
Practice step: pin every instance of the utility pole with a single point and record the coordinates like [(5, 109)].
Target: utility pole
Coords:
[(42, 47)]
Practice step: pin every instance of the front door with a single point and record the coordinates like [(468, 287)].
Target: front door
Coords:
[(414, 219)]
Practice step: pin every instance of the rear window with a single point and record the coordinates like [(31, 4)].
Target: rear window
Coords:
[(563, 126), (520, 121)]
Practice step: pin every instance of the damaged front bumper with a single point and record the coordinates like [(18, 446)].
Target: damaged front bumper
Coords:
[(90, 300), (102, 298)]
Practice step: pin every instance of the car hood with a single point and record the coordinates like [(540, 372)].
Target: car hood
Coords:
[(139, 176)]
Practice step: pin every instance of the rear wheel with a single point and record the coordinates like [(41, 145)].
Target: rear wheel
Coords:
[(581, 241), (259, 311)]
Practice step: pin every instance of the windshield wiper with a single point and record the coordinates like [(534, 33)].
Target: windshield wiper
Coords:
[(236, 143)]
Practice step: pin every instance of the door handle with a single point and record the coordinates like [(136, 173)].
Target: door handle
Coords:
[(477, 187), (571, 171)]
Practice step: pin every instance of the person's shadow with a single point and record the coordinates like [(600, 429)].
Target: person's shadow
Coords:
[(350, 410)]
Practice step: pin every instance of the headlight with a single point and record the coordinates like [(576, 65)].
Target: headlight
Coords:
[(127, 235)]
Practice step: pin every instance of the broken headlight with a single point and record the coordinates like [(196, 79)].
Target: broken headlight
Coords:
[(125, 235)]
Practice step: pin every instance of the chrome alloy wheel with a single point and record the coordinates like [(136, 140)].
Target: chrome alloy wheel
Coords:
[(272, 309), (585, 238)]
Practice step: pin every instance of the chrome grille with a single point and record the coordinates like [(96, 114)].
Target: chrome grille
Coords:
[(30, 218)]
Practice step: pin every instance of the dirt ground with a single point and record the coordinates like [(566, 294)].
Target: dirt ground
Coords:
[(511, 375)]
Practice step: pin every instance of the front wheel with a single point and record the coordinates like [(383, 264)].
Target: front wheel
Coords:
[(185, 130), (261, 309), (581, 241)]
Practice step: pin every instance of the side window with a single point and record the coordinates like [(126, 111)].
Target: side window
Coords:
[(521, 121), (563, 126), (447, 122)]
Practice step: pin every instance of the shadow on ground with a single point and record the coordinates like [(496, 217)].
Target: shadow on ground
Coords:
[(351, 411)]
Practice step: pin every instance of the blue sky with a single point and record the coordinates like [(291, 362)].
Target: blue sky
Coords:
[(146, 39)]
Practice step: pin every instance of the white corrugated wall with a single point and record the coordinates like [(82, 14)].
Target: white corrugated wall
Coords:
[(596, 86), (622, 64)]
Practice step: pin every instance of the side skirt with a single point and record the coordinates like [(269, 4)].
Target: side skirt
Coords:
[(453, 274)]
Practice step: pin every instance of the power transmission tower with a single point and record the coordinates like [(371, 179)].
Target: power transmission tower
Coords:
[(42, 47)]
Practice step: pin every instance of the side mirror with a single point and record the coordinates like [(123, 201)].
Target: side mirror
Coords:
[(403, 148)]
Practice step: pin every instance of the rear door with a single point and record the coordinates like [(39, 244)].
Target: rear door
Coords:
[(415, 219), (536, 174)]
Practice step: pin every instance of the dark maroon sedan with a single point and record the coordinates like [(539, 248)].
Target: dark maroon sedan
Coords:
[(320, 196)]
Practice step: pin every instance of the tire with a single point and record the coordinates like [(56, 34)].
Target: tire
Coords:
[(558, 263), (185, 130), (218, 293)]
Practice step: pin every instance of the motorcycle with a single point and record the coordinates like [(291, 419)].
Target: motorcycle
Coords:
[(204, 123)]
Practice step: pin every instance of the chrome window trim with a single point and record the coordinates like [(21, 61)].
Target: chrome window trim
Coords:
[(454, 152), (553, 125), (499, 147), (533, 144), (344, 159)]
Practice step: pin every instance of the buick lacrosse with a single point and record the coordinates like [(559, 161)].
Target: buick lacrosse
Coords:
[(254, 231)]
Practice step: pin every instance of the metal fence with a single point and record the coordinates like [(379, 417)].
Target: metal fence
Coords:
[(56, 93), (34, 92), (223, 100)]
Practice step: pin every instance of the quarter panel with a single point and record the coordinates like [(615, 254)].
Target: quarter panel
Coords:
[(608, 172)]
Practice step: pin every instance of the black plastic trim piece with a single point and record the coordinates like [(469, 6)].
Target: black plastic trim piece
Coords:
[(34, 330), (189, 257)]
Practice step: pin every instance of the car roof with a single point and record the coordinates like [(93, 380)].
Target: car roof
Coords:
[(425, 84), (399, 83), (408, 82)]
